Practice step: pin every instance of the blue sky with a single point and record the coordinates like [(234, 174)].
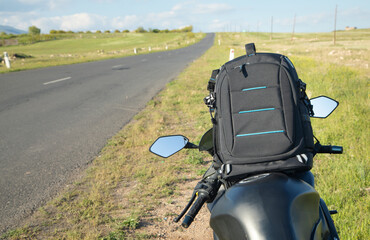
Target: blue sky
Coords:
[(204, 15)]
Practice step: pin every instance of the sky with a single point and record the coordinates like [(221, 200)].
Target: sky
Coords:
[(203, 15)]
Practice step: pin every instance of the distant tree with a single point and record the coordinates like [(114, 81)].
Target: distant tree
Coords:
[(116, 31), (88, 31), (53, 31), (126, 31), (33, 30), (186, 29), (61, 31), (98, 31), (156, 30), (140, 30), (106, 31), (165, 31), (71, 32)]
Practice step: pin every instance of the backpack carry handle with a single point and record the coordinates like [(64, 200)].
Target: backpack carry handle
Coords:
[(250, 48)]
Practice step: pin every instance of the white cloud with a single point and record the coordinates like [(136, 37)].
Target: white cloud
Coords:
[(81, 21), (189, 12), (178, 7), (218, 25), (20, 21), (75, 22), (185, 14), (212, 8), (37, 5), (127, 22), (173, 18), (194, 8)]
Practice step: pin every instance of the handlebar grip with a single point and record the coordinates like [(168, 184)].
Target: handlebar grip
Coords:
[(331, 149), (187, 221), (189, 218)]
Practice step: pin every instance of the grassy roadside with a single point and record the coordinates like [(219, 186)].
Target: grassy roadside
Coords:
[(119, 195), (91, 47)]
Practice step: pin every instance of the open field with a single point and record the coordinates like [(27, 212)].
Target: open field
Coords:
[(93, 46), (128, 193)]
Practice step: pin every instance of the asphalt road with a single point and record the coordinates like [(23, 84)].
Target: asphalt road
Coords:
[(54, 121)]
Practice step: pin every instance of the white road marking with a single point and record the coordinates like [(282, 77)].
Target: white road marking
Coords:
[(117, 66), (59, 80)]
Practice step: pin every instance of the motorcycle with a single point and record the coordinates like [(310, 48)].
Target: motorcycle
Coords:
[(273, 205)]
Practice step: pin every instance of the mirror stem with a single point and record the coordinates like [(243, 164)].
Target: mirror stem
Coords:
[(191, 145)]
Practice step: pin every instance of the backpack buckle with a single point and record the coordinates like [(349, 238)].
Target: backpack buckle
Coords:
[(225, 169), (210, 100)]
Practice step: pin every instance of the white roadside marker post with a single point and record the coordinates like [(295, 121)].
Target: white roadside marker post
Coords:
[(231, 54), (6, 59)]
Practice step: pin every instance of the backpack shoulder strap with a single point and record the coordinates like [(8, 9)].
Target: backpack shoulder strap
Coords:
[(305, 98), (210, 100), (212, 80)]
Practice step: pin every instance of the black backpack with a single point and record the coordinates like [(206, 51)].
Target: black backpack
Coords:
[(261, 116)]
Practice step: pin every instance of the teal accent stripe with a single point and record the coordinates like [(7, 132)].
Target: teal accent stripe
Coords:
[(257, 110), (255, 88), (259, 133)]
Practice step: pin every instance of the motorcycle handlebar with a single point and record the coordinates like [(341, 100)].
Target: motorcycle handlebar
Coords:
[(189, 218), (331, 149)]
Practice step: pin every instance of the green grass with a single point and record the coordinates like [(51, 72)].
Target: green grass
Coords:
[(90, 47), (126, 184)]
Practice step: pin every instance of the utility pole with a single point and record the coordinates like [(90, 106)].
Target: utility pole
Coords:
[(272, 22), (293, 27), (335, 24)]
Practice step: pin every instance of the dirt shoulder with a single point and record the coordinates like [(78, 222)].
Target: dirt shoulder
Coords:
[(159, 222)]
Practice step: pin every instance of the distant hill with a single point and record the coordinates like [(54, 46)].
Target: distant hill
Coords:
[(11, 30)]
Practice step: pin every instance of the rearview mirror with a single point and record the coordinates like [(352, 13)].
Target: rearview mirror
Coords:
[(168, 145), (323, 106), (206, 143)]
